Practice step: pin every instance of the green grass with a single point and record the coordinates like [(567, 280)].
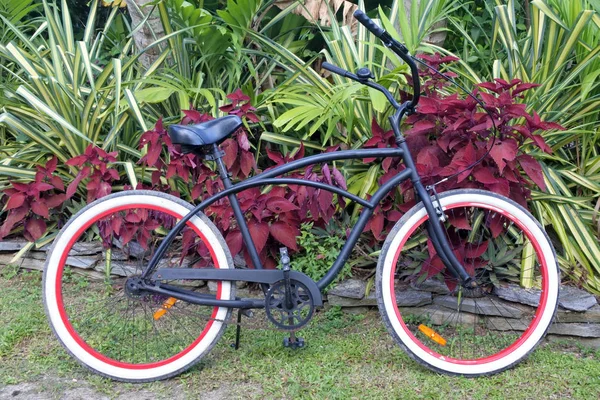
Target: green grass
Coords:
[(348, 356)]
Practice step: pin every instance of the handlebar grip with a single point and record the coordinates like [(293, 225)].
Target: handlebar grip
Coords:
[(335, 69), (368, 23)]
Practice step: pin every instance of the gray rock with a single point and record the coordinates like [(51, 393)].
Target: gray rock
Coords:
[(576, 329), (432, 286), (483, 306), (587, 342), (12, 245), (85, 249), (351, 288), (120, 268), (349, 302), (212, 286), (505, 324), (404, 298), (85, 262), (26, 262), (591, 315), (412, 298), (239, 262), (438, 316), (517, 294), (574, 299)]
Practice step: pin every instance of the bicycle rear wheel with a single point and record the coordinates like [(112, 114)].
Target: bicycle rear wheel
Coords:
[(112, 329), (470, 332)]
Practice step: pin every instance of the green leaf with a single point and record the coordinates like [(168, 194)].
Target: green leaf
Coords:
[(153, 94)]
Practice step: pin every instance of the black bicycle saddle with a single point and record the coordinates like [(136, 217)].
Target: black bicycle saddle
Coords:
[(205, 133)]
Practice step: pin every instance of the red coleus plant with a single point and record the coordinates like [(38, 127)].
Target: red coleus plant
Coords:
[(93, 164), (448, 133), (31, 203), (273, 218)]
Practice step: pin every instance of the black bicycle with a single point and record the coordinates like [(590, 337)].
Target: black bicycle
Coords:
[(171, 287)]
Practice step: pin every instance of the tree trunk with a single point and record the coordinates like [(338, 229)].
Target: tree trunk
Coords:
[(151, 31)]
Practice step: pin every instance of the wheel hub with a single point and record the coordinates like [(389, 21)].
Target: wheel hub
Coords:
[(133, 286)]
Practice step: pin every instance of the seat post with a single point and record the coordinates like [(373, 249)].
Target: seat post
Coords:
[(217, 155)]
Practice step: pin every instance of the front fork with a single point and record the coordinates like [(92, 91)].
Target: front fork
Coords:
[(434, 228)]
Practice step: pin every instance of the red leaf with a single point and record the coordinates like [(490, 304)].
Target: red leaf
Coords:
[(477, 251), (275, 157), (459, 221), (504, 150), (429, 156), (42, 187), (259, 233), (246, 162), (72, 188), (35, 228), (280, 205), (501, 187), (56, 200), (433, 266), (533, 169), (57, 182), (325, 200), (377, 225), (234, 241), (450, 282), (420, 127), (230, 148), (539, 140), (339, 178), (238, 96), (14, 216), (428, 105), (40, 208), (496, 223), (76, 161), (242, 139), (15, 201), (523, 87), (285, 234), (484, 175), (326, 173)]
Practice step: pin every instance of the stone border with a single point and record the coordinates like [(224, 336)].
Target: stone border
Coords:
[(578, 315)]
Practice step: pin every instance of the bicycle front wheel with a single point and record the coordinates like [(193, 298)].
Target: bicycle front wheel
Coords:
[(98, 315), (470, 332)]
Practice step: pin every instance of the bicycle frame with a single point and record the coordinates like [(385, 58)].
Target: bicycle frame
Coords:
[(434, 228), (268, 178)]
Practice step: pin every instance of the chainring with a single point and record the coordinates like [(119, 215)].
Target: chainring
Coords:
[(289, 317)]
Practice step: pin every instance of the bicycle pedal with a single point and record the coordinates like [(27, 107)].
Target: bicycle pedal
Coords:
[(296, 343)]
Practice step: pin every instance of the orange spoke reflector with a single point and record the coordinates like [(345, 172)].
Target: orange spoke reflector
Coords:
[(166, 305), (431, 334)]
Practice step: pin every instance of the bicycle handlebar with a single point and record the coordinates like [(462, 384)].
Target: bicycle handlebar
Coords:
[(369, 23), (397, 47), (335, 69)]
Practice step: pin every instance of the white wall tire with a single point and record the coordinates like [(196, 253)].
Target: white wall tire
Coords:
[(81, 350), (422, 353)]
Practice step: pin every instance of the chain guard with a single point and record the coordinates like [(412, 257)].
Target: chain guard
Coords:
[(289, 317)]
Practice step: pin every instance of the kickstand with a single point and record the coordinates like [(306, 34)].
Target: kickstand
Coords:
[(238, 330)]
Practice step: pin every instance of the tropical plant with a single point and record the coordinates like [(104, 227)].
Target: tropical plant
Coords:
[(67, 98), (560, 52)]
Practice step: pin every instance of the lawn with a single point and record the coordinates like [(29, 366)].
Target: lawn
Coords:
[(348, 356)]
